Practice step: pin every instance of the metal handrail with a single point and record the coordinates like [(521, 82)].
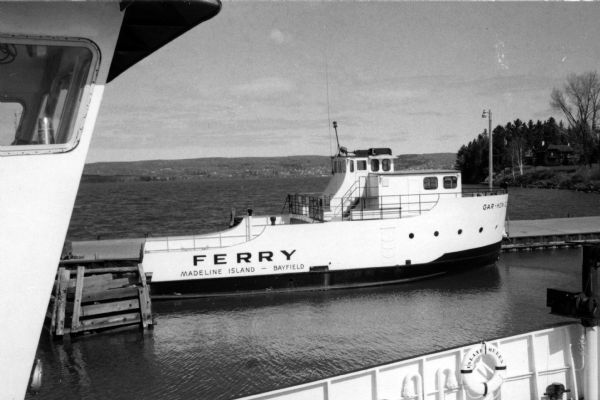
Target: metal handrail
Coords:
[(348, 195), (201, 242), (310, 205)]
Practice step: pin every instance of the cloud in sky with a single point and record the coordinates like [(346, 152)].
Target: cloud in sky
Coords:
[(500, 55), (413, 76), (264, 87), (279, 37)]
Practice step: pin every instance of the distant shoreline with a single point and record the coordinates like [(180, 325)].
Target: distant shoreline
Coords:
[(238, 168)]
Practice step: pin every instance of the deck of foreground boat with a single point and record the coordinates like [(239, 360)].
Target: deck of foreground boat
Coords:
[(523, 234)]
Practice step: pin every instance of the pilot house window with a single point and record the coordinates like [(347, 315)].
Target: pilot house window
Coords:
[(430, 183), (361, 165), (385, 164), (375, 165), (41, 89)]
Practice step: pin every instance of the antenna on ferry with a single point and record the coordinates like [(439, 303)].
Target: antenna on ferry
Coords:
[(336, 136)]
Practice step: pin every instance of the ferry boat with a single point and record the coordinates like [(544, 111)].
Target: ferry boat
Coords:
[(374, 224), (55, 60)]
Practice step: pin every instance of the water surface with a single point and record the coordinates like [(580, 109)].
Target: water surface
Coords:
[(223, 348)]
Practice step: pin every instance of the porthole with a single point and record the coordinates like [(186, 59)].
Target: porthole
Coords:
[(436, 233), (411, 235), (460, 231), (480, 229)]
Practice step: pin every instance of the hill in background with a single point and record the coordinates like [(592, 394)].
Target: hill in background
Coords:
[(247, 167)]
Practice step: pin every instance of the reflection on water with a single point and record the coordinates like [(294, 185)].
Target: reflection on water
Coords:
[(222, 348), (225, 348)]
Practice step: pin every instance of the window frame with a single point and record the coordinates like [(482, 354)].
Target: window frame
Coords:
[(453, 182), (427, 183), (386, 165), (83, 105), (375, 165)]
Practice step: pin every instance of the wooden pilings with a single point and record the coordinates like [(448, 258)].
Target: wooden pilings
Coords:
[(98, 299)]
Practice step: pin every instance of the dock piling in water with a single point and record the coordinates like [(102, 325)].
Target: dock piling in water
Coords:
[(98, 299)]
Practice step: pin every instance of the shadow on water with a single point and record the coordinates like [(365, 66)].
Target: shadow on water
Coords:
[(485, 279)]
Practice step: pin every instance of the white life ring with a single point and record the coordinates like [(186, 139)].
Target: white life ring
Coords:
[(476, 385)]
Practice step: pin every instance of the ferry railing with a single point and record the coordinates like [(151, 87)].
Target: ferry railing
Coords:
[(312, 205), (199, 242), (376, 207), (477, 192), (393, 206), (360, 186)]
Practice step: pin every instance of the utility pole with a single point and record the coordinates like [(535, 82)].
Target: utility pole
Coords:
[(488, 113)]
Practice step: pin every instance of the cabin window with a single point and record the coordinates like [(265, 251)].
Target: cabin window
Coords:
[(375, 165), (385, 164), (361, 165), (351, 163), (430, 183), (42, 86), (450, 182)]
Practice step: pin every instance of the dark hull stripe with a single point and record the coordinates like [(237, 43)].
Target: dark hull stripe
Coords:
[(325, 280)]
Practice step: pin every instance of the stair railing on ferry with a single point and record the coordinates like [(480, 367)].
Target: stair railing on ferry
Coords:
[(349, 195)]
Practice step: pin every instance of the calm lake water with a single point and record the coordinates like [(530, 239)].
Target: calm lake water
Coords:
[(133, 209), (229, 347)]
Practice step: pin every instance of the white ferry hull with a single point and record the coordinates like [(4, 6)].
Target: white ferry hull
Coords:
[(459, 233)]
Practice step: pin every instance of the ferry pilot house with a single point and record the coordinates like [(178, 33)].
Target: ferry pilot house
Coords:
[(41, 86)]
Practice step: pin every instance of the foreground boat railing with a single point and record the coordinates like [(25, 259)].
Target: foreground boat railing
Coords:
[(534, 361)]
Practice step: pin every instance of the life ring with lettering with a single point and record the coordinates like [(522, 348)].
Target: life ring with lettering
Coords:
[(474, 382)]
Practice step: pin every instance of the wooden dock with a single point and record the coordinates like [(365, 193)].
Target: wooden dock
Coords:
[(551, 233), (95, 299)]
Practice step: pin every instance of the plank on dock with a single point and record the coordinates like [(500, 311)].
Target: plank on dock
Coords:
[(553, 226), (75, 323), (99, 301)]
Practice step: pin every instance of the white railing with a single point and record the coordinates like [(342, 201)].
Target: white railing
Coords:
[(533, 361), (198, 242)]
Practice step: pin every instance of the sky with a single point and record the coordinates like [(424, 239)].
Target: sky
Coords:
[(267, 78)]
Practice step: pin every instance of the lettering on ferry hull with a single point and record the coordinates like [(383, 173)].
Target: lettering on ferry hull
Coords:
[(288, 267), (245, 257)]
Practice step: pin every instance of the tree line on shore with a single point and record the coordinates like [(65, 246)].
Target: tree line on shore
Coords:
[(518, 145)]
